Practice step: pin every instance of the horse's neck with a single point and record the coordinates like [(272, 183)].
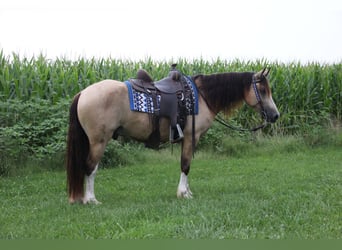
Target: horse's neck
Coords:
[(224, 91)]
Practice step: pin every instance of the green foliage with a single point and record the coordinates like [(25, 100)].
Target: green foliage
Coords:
[(303, 93), (35, 133), (119, 154), (31, 132), (37, 126), (12, 153), (35, 94)]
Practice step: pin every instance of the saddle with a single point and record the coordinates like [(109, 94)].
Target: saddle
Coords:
[(173, 92), (167, 85)]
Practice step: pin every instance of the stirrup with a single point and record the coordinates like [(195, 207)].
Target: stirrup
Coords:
[(173, 134)]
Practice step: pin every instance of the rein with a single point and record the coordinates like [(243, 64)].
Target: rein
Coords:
[(220, 120), (257, 96)]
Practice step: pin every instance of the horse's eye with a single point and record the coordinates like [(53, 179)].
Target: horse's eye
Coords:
[(262, 90)]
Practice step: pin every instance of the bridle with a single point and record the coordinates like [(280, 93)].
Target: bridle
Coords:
[(259, 102), (258, 97)]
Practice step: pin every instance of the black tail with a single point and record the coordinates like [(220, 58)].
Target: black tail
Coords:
[(77, 154)]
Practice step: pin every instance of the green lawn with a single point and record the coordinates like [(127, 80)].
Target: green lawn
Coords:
[(294, 194)]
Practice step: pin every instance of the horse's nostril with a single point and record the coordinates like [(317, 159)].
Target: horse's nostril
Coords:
[(275, 117)]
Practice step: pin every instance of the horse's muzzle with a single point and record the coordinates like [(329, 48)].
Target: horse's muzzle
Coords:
[(273, 117)]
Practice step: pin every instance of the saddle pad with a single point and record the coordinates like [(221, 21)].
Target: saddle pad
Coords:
[(140, 101), (193, 88), (143, 102)]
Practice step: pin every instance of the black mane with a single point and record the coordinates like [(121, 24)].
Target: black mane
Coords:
[(224, 91)]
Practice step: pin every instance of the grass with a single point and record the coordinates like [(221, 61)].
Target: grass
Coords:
[(280, 192)]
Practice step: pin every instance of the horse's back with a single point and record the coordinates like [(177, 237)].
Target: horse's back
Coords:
[(104, 89)]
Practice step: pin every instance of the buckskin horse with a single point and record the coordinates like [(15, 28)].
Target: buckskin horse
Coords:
[(103, 111)]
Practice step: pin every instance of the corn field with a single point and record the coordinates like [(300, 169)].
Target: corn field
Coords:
[(306, 95)]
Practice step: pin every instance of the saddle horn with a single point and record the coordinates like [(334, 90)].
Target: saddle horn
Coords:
[(174, 73)]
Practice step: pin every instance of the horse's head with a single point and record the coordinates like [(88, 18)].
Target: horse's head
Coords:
[(258, 95)]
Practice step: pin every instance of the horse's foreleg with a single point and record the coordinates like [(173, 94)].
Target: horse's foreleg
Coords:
[(183, 190)]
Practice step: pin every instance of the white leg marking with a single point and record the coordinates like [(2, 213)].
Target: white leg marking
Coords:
[(183, 187), (89, 195)]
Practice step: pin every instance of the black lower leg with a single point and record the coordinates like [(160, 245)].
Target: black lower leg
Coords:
[(185, 165)]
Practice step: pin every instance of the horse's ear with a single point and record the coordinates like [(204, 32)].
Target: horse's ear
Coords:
[(262, 73), (266, 71)]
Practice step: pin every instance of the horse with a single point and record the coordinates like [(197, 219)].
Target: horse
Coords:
[(102, 110)]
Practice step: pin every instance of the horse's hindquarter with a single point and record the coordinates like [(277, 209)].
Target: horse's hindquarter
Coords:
[(104, 106)]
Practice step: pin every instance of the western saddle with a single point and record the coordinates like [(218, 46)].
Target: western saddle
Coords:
[(173, 91)]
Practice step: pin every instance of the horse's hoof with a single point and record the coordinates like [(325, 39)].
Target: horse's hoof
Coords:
[(185, 194), (92, 201), (188, 195)]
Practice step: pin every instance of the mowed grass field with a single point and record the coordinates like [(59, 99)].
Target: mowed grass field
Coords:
[(282, 192)]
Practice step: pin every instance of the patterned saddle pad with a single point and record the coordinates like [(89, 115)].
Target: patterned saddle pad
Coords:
[(143, 102)]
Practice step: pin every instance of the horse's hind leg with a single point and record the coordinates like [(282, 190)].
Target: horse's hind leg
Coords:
[(95, 154), (89, 194)]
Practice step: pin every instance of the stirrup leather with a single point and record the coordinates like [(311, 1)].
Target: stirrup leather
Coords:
[(173, 138)]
